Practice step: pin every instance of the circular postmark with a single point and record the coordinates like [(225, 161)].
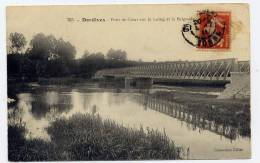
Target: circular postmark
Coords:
[(209, 30)]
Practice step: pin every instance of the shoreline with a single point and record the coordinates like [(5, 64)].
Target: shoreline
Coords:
[(88, 137)]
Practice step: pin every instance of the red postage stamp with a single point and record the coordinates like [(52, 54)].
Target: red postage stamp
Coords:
[(211, 30)]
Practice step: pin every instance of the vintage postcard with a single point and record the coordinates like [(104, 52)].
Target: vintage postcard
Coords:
[(128, 82)]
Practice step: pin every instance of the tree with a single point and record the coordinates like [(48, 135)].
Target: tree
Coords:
[(85, 54), (48, 47), (18, 42), (65, 50), (96, 56), (47, 50), (119, 55), (90, 63), (40, 47), (53, 47), (14, 63)]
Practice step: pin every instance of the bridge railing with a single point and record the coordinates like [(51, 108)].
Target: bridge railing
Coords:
[(244, 66)]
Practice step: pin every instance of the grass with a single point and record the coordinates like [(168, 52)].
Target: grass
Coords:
[(21, 149), (88, 137)]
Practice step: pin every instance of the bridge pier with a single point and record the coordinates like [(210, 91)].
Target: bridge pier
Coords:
[(238, 88), (111, 82), (142, 83), (129, 82)]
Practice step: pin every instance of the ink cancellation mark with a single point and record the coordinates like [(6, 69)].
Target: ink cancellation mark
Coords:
[(211, 30)]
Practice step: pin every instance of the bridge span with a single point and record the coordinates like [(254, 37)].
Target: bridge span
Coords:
[(211, 70)]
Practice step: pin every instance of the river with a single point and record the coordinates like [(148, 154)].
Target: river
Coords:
[(36, 109)]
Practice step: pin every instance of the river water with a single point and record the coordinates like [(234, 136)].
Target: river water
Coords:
[(205, 140)]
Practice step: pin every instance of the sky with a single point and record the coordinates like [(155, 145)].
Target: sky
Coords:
[(157, 39)]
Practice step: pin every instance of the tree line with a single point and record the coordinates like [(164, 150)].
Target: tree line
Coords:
[(47, 56)]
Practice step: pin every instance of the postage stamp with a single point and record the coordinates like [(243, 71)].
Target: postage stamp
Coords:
[(211, 30)]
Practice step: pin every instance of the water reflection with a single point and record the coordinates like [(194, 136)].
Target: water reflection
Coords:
[(36, 111), (49, 103), (194, 121)]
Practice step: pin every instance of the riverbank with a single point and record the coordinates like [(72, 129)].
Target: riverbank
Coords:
[(88, 137), (16, 85), (69, 81)]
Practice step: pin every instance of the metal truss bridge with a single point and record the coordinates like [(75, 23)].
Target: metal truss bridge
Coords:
[(214, 70)]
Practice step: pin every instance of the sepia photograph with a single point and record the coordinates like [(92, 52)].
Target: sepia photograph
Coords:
[(128, 82)]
